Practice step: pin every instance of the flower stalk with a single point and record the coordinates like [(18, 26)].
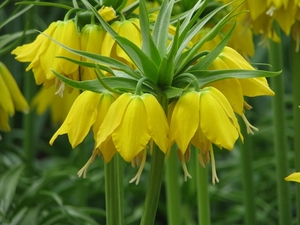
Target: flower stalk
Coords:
[(296, 116), (277, 85), (113, 192)]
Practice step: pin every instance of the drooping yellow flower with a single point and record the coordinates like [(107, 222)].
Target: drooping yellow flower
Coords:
[(89, 109), (128, 29), (42, 53), (207, 110), (293, 177), (210, 120), (131, 122), (11, 98), (91, 41), (59, 106)]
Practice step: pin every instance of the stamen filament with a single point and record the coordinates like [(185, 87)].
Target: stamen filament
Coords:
[(84, 169), (249, 126), (139, 173), (185, 170), (213, 167)]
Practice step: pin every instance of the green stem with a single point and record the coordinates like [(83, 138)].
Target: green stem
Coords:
[(154, 186), (280, 138), (113, 192), (247, 178), (202, 192), (173, 189), (296, 113)]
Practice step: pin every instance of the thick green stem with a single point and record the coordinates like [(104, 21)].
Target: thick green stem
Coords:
[(173, 189), (202, 192), (113, 192), (247, 175), (280, 138), (154, 186), (296, 113)]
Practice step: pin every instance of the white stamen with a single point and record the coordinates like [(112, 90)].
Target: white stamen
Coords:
[(84, 169), (270, 11), (139, 173), (185, 170), (60, 88), (213, 167), (249, 126)]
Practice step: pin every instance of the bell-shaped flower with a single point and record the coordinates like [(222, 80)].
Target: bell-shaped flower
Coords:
[(58, 106), (11, 98), (208, 111), (89, 109), (131, 123), (128, 29), (42, 53)]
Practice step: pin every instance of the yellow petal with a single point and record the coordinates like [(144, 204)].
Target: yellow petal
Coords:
[(113, 118), (132, 135), (19, 101), (107, 13), (81, 117), (255, 87), (157, 122), (108, 41), (104, 104), (216, 125), (185, 120), (108, 150), (232, 90), (6, 101), (293, 177), (4, 121)]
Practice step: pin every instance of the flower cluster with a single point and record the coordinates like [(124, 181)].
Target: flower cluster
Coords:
[(263, 14), (147, 87)]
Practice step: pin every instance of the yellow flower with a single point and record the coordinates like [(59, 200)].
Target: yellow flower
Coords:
[(43, 51), (91, 41), (128, 29), (107, 13), (11, 98), (89, 109), (59, 106), (208, 111), (293, 177), (210, 120), (131, 122)]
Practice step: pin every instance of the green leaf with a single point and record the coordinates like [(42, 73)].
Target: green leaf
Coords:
[(15, 15), (194, 30), (148, 45), (161, 27), (8, 184), (172, 92), (56, 5), (207, 76), (115, 83), (211, 56)]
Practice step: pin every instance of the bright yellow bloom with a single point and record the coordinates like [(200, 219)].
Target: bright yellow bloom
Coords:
[(107, 13), (43, 51), (89, 109), (59, 106), (293, 177), (210, 120), (91, 41), (208, 111), (128, 29), (131, 122), (11, 98)]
